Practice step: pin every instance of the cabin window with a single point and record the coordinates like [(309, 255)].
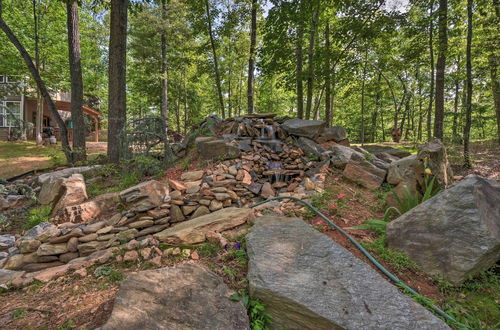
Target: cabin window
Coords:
[(12, 107), (2, 79)]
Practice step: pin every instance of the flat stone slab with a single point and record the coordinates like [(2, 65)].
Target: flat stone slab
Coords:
[(187, 296), (65, 173), (195, 230), (307, 281)]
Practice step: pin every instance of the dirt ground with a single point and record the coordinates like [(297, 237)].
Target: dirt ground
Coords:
[(74, 302)]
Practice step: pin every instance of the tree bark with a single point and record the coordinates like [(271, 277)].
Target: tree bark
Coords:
[(39, 104), (40, 84), (376, 110), (468, 66), (328, 108), (455, 138), (363, 98), (495, 88), (300, 89), (431, 56), (75, 70), (164, 65), (216, 61), (310, 58), (440, 68), (251, 58), (117, 78)]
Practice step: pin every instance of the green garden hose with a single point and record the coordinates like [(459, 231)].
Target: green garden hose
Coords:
[(370, 257)]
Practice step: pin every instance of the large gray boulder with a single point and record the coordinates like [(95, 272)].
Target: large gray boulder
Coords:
[(378, 149), (306, 128), (307, 281), (340, 155), (433, 155), (145, 195), (402, 170), (455, 234), (363, 172), (213, 148), (186, 296), (334, 133), (310, 147)]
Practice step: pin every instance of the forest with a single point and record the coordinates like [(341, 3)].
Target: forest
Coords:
[(249, 164), (416, 69)]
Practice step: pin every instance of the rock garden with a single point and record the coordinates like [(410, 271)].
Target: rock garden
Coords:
[(187, 247)]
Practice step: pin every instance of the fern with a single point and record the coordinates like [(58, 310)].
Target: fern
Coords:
[(378, 226)]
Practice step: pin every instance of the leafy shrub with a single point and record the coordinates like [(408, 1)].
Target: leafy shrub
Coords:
[(37, 216), (259, 320), (144, 166)]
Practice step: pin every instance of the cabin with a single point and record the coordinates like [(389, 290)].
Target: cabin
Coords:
[(25, 107)]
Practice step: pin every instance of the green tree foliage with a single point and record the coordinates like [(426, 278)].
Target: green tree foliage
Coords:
[(374, 72)]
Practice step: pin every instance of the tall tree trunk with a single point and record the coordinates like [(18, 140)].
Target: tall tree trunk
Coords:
[(328, 105), (310, 58), (300, 89), (117, 97), (468, 113), (75, 70), (431, 56), (251, 58), (240, 88), (186, 114), (376, 110), (216, 61), (164, 64), (40, 84), (169, 154), (440, 68), (363, 98), (230, 92), (39, 104), (495, 88), (419, 91), (455, 103)]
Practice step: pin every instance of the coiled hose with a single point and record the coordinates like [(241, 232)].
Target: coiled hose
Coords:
[(370, 257)]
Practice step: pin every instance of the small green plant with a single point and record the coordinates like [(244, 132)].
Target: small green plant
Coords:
[(409, 200), (185, 163), (69, 324), (37, 216), (397, 259), (144, 166), (368, 156), (19, 313), (378, 226), (229, 271), (109, 272), (259, 319), (208, 249)]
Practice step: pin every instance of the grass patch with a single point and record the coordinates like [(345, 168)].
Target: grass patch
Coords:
[(111, 274), (19, 313), (37, 216), (398, 260), (475, 303), (208, 250)]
